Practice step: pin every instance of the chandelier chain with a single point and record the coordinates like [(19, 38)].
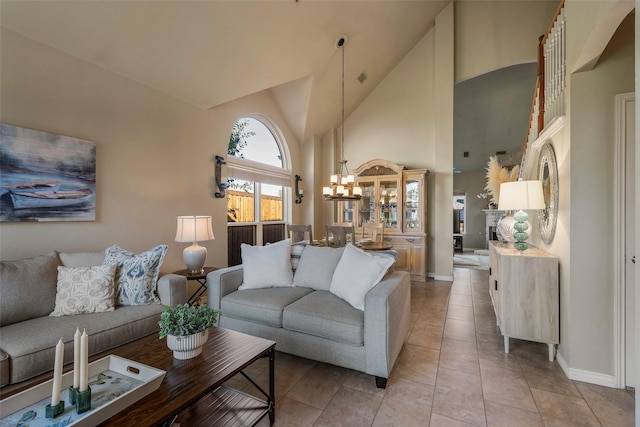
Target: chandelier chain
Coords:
[(342, 139)]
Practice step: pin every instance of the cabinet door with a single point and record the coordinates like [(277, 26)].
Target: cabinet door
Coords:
[(367, 205), (402, 257), (414, 202), (388, 203), (418, 261), (495, 284)]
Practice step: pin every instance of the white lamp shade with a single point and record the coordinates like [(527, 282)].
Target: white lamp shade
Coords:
[(521, 195), (194, 229)]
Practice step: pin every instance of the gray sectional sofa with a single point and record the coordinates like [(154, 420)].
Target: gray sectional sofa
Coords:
[(308, 319), (28, 335)]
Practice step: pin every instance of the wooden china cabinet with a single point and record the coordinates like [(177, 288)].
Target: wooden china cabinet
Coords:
[(396, 197)]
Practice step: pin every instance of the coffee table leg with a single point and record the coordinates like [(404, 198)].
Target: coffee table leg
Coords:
[(272, 387)]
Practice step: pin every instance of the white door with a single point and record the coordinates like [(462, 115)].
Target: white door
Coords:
[(631, 365)]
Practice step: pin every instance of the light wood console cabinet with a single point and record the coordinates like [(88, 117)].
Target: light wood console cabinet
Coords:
[(525, 294)]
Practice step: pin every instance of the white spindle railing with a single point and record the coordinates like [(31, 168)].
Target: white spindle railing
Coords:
[(555, 69)]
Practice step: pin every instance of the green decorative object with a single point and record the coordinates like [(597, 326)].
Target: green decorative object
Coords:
[(73, 393), (521, 226), (83, 400), (54, 411), (183, 320)]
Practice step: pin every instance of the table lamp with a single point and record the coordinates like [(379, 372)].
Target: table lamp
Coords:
[(194, 229), (521, 195)]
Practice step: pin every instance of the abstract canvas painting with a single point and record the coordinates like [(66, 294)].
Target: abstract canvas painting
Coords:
[(46, 177)]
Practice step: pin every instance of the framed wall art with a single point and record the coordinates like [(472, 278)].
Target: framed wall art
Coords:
[(46, 177), (548, 174)]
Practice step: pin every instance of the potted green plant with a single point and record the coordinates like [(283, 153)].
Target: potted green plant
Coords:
[(186, 328)]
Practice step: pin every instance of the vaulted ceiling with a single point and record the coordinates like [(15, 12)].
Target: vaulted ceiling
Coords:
[(207, 53)]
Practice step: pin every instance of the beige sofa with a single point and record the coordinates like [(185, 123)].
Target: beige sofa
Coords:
[(28, 334)]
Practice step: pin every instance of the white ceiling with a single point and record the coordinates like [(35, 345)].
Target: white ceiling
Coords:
[(207, 53)]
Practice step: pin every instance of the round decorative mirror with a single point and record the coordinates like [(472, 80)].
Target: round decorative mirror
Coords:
[(548, 174)]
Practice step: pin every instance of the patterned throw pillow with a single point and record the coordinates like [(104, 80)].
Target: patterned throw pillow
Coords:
[(137, 275), (85, 290)]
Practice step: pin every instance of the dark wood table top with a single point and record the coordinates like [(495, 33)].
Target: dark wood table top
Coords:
[(224, 354), (194, 276)]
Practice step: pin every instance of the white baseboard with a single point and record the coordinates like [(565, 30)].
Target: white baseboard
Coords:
[(586, 376), (443, 278)]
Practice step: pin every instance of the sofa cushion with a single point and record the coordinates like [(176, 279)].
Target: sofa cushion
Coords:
[(81, 259), (357, 272), (85, 290), (137, 275), (261, 305), (324, 315), (316, 267), (35, 355), (266, 266), (33, 280), (4, 369)]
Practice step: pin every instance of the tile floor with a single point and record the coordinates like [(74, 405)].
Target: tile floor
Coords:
[(452, 372)]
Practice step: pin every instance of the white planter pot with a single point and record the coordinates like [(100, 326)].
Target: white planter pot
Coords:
[(187, 347)]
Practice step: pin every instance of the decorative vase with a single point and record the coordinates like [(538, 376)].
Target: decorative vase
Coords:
[(505, 230), (187, 347)]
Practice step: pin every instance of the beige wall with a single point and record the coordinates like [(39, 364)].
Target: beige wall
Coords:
[(592, 199), (154, 153), (495, 34), (475, 219), (408, 119)]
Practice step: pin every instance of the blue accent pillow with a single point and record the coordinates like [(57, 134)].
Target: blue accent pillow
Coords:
[(136, 275)]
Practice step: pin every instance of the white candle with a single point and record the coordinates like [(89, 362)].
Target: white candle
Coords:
[(57, 373), (76, 358), (84, 361)]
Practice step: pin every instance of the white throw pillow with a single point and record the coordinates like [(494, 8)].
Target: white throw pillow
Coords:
[(85, 290), (266, 266), (357, 272), (316, 267), (137, 275)]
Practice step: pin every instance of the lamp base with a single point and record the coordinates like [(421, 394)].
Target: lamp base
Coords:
[(521, 226), (194, 257)]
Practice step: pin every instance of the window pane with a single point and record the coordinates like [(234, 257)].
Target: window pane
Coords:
[(240, 205), (252, 140), (271, 202)]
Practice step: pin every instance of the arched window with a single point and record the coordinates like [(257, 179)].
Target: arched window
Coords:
[(259, 179)]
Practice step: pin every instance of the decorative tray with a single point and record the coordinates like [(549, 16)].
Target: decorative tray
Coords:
[(115, 384)]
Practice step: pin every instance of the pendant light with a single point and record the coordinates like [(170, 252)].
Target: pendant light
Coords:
[(342, 185)]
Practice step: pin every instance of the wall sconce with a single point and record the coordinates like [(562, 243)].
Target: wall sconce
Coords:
[(222, 186), (298, 190)]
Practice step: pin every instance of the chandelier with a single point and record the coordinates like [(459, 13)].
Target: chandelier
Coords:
[(342, 185)]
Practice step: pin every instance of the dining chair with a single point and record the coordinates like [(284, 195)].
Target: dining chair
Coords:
[(297, 233), (337, 236), (373, 231)]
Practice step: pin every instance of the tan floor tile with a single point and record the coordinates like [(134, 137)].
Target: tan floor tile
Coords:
[(426, 335), (550, 379), (318, 386), (350, 407), (460, 312), (415, 363), (558, 410), (459, 396), (363, 382), (613, 407), (460, 330), (506, 416), (461, 299), (506, 387), (501, 361), (438, 420), (405, 403), (290, 413), (459, 355)]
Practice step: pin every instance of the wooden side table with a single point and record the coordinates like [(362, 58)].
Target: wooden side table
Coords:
[(201, 278)]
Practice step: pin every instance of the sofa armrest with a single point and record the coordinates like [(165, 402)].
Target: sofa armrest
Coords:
[(222, 282), (387, 308), (172, 289)]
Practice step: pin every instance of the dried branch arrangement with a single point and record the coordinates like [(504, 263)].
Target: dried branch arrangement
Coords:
[(496, 175)]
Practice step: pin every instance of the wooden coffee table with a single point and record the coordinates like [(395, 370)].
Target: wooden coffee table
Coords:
[(192, 389)]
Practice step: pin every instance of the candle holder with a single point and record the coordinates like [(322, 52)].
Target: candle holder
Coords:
[(83, 400), (73, 393), (55, 410)]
